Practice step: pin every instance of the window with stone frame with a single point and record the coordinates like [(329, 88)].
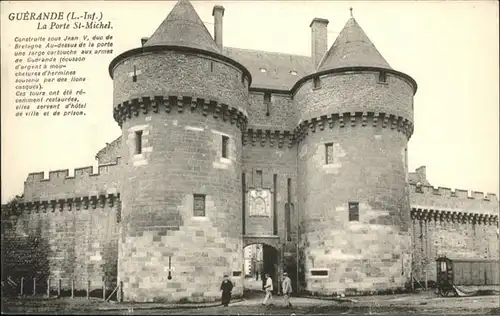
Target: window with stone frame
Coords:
[(134, 76), (328, 153), (267, 102), (225, 146), (382, 77), (138, 143), (199, 205), (353, 211), (316, 83)]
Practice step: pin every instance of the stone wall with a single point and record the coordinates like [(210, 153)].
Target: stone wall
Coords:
[(365, 255), (281, 115), (110, 153), (181, 156), (79, 244), (83, 182), (348, 160), (271, 161), (459, 224), (186, 74), (351, 92), (458, 200)]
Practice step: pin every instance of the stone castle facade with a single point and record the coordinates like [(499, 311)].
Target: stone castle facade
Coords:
[(225, 147)]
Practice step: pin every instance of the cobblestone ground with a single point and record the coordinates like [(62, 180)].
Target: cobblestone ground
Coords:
[(415, 304)]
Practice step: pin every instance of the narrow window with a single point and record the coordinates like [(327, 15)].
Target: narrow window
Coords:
[(211, 66), (138, 142), (406, 159), (316, 83), (199, 205), (353, 211), (267, 102), (319, 272), (225, 143), (243, 196), (382, 77), (134, 77), (288, 210), (275, 204), (243, 79), (258, 178), (329, 153)]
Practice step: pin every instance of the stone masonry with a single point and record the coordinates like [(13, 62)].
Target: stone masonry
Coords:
[(224, 147)]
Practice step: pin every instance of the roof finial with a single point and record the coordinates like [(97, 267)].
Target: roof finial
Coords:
[(350, 9)]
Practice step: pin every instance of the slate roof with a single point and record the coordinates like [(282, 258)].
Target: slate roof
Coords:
[(278, 66), (183, 27), (352, 48)]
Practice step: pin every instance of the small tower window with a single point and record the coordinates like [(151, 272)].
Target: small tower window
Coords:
[(267, 102), (353, 211), (134, 77), (199, 205), (329, 153), (138, 142), (258, 179), (211, 66), (382, 77), (225, 143), (316, 83)]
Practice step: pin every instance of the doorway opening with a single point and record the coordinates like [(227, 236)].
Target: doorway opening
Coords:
[(259, 260)]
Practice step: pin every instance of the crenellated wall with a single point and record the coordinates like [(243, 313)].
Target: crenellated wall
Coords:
[(83, 182), (455, 234), (455, 223), (457, 200)]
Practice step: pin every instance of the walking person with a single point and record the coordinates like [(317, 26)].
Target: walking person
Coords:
[(226, 287), (287, 289), (268, 288)]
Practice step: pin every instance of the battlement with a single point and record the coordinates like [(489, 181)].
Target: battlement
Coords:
[(457, 193), (64, 183), (56, 175)]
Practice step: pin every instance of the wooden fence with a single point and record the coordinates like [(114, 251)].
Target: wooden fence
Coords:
[(53, 288)]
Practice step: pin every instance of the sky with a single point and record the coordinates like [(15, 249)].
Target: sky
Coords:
[(449, 47)]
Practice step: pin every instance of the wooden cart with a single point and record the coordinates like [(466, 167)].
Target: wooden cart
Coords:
[(473, 274)]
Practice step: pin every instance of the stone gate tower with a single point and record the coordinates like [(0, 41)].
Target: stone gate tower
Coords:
[(181, 105), (355, 117)]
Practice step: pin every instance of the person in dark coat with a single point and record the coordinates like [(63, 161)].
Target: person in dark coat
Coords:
[(226, 287)]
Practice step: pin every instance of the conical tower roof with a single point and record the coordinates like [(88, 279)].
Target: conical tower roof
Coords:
[(183, 27), (352, 48)]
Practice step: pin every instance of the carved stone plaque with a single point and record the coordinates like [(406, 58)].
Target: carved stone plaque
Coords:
[(259, 202)]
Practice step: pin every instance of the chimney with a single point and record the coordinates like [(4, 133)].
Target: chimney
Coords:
[(421, 171), (319, 40), (144, 40), (218, 13)]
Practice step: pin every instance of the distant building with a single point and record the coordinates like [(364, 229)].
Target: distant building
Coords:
[(225, 147)]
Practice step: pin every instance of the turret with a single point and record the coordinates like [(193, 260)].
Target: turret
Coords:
[(181, 106), (355, 117)]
